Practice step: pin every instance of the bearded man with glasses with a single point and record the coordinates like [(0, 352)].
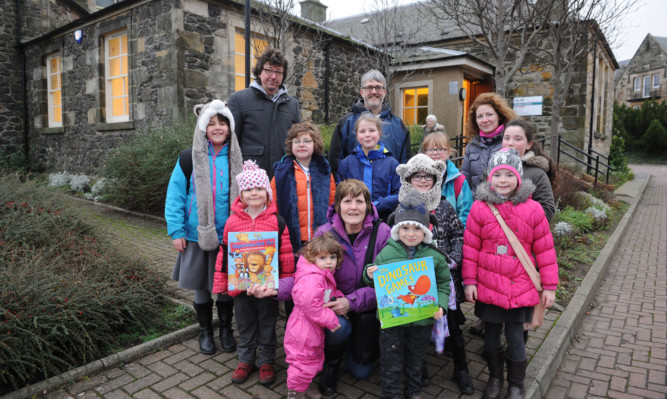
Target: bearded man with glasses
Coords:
[(264, 112), (395, 135)]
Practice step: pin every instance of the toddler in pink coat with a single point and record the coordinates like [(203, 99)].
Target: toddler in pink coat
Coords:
[(314, 285)]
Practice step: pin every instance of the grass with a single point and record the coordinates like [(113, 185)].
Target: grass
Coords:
[(173, 317)]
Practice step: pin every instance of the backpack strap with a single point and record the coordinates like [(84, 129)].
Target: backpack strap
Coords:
[(371, 242), (281, 224), (458, 185), (185, 161)]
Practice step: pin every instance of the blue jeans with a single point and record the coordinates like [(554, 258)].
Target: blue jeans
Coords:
[(341, 336)]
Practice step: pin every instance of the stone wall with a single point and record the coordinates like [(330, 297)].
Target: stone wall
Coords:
[(83, 141), (181, 53), (11, 95), (42, 16)]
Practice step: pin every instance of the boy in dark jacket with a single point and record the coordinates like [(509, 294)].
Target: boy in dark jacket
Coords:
[(405, 345)]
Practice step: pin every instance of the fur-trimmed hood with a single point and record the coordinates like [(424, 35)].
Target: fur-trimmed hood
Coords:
[(485, 193), (422, 163), (207, 235), (530, 159)]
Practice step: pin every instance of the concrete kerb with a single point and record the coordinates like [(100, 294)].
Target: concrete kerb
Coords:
[(117, 359), (544, 365)]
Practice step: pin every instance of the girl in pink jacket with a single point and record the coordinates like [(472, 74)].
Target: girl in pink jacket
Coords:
[(314, 285), (494, 278)]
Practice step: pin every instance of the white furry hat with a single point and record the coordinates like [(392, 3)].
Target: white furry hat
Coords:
[(422, 163), (207, 234)]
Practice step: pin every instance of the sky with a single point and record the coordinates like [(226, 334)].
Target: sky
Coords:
[(648, 16)]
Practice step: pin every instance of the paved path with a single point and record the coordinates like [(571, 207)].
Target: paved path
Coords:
[(620, 349), (179, 371)]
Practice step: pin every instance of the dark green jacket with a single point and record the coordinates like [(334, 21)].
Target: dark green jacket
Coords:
[(396, 252)]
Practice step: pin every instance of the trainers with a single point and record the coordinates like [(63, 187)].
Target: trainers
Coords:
[(242, 372), (266, 374)]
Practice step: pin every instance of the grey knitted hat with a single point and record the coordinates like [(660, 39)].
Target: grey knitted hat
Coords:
[(412, 210), (505, 158), (422, 163)]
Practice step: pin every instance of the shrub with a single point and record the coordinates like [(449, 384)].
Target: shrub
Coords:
[(12, 158), (579, 220), (327, 132), (138, 172), (64, 293), (655, 138), (59, 179), (79, 183)]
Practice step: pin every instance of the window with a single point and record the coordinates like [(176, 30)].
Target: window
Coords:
[(415, 106), (647, 86), (638, 84), (54, 84), (116, 77), (257, 47), (656, 80)]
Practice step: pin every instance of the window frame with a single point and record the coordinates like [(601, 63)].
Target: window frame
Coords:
[(254, 38), (656, 81), (637, 83), (647, 86), (416, 107), (51, 92), (109, 98)]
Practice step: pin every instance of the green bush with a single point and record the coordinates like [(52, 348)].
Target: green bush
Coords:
[(579, 220), (139, 170), (12, 158), (327, 132), (64, 293), (655, 138)]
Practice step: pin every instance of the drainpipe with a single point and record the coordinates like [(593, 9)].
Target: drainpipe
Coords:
[(247, 43), (20, 50), (592, 121), (326, 81)]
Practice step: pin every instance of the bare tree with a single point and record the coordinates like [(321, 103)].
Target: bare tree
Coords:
[(393, 32), (283, 30), (577, 30), (509, 30)]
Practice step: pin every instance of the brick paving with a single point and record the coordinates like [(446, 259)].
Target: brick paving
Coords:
[(620, 349), (180, 371)]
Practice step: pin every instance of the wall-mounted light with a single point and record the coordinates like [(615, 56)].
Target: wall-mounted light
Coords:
[(78, 35)]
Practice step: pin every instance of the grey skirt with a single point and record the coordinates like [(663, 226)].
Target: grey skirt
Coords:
[(496, 314), (195, 267)]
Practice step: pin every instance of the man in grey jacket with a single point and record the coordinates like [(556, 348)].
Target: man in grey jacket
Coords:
[(264, 112)]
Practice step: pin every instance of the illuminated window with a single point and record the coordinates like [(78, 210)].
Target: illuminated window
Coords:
[(257, 47), (54, 84), (116, 77), (415, 106)]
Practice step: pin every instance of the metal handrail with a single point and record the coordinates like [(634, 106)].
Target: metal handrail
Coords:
[(589, 157)]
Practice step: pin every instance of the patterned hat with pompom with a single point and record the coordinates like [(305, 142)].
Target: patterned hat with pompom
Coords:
[(253, 176), (505, 158)]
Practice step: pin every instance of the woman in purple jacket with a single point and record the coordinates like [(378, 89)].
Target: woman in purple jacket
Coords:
[(350, 221)]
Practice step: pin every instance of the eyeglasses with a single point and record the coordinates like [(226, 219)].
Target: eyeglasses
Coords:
[(373, 88), (304, 142), (436, 150), (422, 177), (271, 72)]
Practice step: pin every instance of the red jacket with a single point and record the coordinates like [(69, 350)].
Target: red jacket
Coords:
[(489, 260), (239, 220)]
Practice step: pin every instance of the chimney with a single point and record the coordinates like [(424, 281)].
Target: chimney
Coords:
[(313, 10)]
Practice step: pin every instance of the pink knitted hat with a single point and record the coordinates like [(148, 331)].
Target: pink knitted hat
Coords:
[(253, 176)]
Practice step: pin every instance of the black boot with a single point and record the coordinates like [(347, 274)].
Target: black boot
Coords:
[(516, 373), (333, 355), (205, 319), (225, 314), (461, 375), (426, 381), (496, 363)]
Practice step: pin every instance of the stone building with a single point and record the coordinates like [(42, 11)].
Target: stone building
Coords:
[(93, 80), (460, 63), (645, 76)]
